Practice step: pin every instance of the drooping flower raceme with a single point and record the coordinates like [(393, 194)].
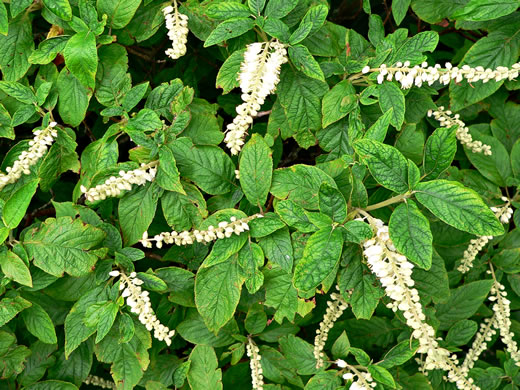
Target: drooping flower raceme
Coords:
[(335, 308), (258, 77), (37, 148), (394, 272), (462, 132), (257, 377), (114, 185), (358, 380), (177, 25), (483, 336), (409, 76), (502, 310), (223, 230), (139, 303), (504, 214), (99, 382)]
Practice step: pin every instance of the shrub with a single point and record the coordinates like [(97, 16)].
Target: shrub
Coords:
[(278, 194)]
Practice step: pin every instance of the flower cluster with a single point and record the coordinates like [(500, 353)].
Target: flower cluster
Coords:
[(114, 185), (462, 132), (335, 308), (359, 380), (409, 76), (504, 213), (187, 237), (257, 377), (37, 148), (484, 335), (394, 272), (177, 25), (502, 310), (139, 302), (99, 382), (258, 77)]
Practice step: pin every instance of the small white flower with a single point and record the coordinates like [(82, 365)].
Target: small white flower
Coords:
[(253, 352)]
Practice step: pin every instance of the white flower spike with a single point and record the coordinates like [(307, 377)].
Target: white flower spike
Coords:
[(223, 230), (418, 75), (394, 271), (139, 303), (114, 185), (462, 132), (37, 148), (258, 77), (177, 25)]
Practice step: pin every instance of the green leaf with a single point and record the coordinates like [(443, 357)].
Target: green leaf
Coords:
[(227, 75), (261, 227), (14, 268), (10, 307), (341, 346), (183, 212), (378, 130), (300, 33), (217, 292), (228, 29), (294, 215), (338, 102), (280, 294), (463, 302), (414, 47), (299, 354), (74, 98), (136, 211), (332, 203), (223, 249), (256, 6), (326, 380), (81, 57), (300, 97), (320, 257), (256, 170), (399, 10), (119, 12), (277, 248), (496, 167), (16, 205), (433, 282), (316, 15), (228, 10), (433, 11), (39, 324), (277, 29), (134, 96), (52, 385), (167, 174), (303, 60), (399, 354), (480, 10), (4, 20), (126, 368), (388, 166), (279, 8), (365, 297), (391, 96), (461, 332), (357, 231), (381, 375), (439, 151), (208, 166), (16, 47), (18, 91), (411, 235), (459, 207), (301, 184), (204, 372), (62, 245), (60, 8)]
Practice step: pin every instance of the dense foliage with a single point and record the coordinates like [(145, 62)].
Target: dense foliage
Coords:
[(268, 194)]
